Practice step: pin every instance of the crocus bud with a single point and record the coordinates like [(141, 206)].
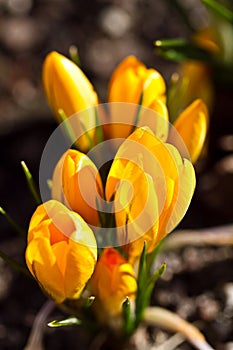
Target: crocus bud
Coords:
[(192, 126), (77, 184), (112, 281), (68, 89), (132, 80), (134, 83), (61, 251)]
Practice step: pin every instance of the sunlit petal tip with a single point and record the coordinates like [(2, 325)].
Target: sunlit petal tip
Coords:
[(192, 125)]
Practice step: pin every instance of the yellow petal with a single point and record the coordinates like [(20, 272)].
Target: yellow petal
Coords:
[(41, 262), (81, 261), (136, 216), (77, 183), (68, 89), (182, 194), (192, 127), (154, 88), (155, 116), (162, 187), (66, 86), (208, 38), (187, 183), (113, 280), (131, 78), (153, 157), (61, 252)]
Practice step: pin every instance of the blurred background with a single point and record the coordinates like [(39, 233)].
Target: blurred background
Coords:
[(105, 31)]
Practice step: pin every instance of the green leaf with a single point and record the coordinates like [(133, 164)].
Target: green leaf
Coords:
[(31, 184), (67, 126), (142, 272), (219, 9), (15, 226), (89, 302), (127, 317), (141, 282), (181, 49), (70, 321), (145, 283), (99, 130), (137, 115), (89, 139), (15, 265), (158, 273), (74, 55), (152, 256)]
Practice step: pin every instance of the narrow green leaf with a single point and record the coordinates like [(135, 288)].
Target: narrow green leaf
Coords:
[(152, 256), (176, 91), (74, 55), (145, 283), (141, 282), (99, 130), (15, 265), (89, 302), (127, 316), (89, 139), (158, 273), (181, 49), (15, 226), (70, 321), (142, 273), (101, 214), (67, 127), (171, 43), (219, 9), (137, 116), (31, 184), (151, 283)]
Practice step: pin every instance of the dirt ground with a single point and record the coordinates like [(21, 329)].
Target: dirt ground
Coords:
[(198, 284)]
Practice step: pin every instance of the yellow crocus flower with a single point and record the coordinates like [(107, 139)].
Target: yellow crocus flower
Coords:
[(68, 89), (162, 185), (58, 240), (132, 80), (77, 183), (113, 280), (66, 86)]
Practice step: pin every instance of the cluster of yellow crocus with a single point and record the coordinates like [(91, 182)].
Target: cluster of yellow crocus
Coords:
[(68, 89), (149, 187)]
